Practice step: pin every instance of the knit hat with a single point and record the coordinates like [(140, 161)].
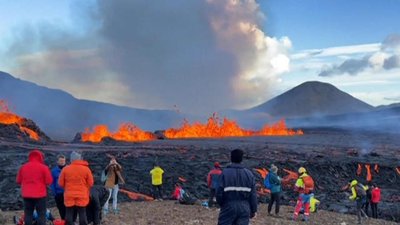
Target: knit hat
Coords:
[(274, 168), (75, 156), (237, 156), (217, 165)]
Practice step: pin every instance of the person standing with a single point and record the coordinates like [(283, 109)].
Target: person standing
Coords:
[(236, 193), (58, 192), (76, 180), (359, 195), (34, 177), (375, 199), (367, 202), (305, 187), (114, 178), (157, 181), (212, 182), (276, 189)]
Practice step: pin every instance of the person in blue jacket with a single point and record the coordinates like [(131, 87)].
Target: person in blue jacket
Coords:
[(58, 191), (236, 193), (276, 189)]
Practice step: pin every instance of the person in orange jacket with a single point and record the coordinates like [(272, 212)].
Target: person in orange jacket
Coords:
[(76, 179), (34, 177)]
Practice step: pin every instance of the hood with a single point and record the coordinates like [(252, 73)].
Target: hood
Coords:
[(80, 162), (36, 156)]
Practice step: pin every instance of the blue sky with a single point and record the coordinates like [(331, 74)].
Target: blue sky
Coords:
[(66, 44)]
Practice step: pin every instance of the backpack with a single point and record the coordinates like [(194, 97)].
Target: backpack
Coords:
[(267, 182), (360, 190), (103, 177), (308, 184), (186, 199)]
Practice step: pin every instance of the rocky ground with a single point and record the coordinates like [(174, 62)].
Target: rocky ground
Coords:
[(167, 212), (331, 156)]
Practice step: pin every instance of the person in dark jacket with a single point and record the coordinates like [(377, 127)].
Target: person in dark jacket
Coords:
[(98, 197), (212, 182), (276, 189), (236, 193), (58, 192), (367, 202), (33, 177)]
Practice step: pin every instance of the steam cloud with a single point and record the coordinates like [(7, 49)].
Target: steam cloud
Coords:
[(202, 56), (387, 58)]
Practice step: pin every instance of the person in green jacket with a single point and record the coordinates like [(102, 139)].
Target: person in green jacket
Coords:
[(157, 181), (276, 189)]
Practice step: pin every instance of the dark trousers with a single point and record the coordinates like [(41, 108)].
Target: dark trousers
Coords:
[(93, 210), (374, 207), (365, 206), (59, 198), (69, 215), (157, 191), (30, 204), (360, 212), (234, 213), (275, 197), (211, 198)]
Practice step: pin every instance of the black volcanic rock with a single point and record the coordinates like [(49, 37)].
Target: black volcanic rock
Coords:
[(312, 99), (13, 132)]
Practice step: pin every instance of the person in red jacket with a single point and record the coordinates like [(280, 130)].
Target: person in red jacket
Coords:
[(76, 180), (213, 181), (376, 198), (34, 177)]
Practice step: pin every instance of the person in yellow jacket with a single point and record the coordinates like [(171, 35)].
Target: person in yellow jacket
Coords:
[(359, 194), (157, 181)]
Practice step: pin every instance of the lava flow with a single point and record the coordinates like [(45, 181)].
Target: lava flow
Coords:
[(7, 117), (126, 132), (214, 128)]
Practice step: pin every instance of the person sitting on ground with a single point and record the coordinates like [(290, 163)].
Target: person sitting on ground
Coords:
[(34, 177), (375, 199), (98, 197), (359, 195), (157, 181), (178, 191), (212, 182), (76, 179), (114, 178), (275, 187)]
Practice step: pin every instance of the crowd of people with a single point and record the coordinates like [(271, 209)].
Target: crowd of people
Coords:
[(233, 188)]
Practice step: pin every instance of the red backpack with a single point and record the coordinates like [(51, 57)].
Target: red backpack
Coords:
[(308, 184)]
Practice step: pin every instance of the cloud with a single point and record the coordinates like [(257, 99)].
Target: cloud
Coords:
[(386, 57), (199, 55)]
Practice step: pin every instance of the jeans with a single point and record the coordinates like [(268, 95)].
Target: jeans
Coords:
[(114, 193), (59, 199), (360, 212), (275, 197), (211, 198), (30, 204), (69, 215)]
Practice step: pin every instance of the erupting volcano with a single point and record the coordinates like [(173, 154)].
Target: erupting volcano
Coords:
[(9, 118), (126, 132), (214, 128)]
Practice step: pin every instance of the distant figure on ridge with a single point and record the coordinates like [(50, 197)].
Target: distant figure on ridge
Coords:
[(58, 192), (33, 177), (157, 181), (236, 193), (114, 178), (212, 182), (76, 179)]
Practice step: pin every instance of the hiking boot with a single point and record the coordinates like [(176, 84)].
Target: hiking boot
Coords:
[(116, 211), (105, 212), (269, 214)]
